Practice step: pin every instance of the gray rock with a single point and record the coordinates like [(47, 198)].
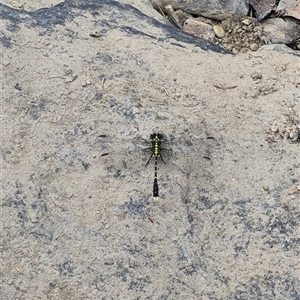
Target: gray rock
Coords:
[(281, 31), (262, 7), (215, 9), (280, 48), (198, 28)]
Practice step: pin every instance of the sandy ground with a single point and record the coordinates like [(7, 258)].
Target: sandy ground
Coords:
[(78, 225)]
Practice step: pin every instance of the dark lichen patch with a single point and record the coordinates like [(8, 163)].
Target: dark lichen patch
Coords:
[(53, 16), (270, 286), (134, 208), (139, 284), (66, 268), (43, 235), (5, 41)]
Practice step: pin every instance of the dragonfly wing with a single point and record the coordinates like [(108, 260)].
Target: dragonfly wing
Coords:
[(121, 156), (192, 155)]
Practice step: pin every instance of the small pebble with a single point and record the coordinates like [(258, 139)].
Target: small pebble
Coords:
[(293, 190), (95, 34), (86, 83), (256, 75), (294, 134), (274, 128), (254, 47), (265, 188), (234, 51), (33, 216), (219, 31), (246, 22)]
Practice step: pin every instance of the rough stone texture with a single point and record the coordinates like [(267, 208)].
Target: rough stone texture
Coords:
[(281, 31), (280, 48), (77, 225), (240, 35), (214, 9), (262, 7), (198, 28)]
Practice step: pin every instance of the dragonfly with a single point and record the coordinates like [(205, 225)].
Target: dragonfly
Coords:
[(156, 148)]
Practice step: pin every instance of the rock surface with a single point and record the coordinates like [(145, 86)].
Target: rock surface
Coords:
[(279, 23), (281, 31), (213, 9), (199, 29), (262, 7), (109, 22), (80, 225)]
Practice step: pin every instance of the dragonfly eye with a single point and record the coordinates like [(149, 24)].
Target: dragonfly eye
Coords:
[(152, 136), (160, 136)]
